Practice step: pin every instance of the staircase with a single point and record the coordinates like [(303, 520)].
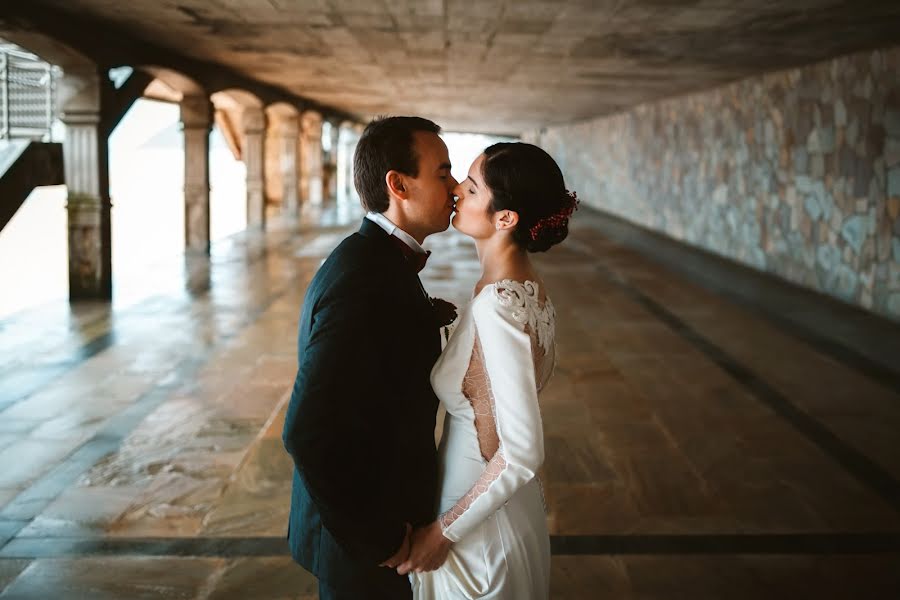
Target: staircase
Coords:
[(25, 165), (27, 94), (27, 111)]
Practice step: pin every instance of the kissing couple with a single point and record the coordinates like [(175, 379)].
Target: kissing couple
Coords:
[(377, 510)]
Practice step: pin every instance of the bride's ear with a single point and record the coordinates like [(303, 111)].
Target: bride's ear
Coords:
[(506, 219), (396, 185)]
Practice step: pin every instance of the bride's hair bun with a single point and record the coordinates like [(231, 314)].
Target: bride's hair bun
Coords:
[(526, 180), (552, 229)]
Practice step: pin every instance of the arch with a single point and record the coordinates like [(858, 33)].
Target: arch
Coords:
[(48, 49), (236, 111), (79, 87), (235, 99), (170, 85), (282, 111)]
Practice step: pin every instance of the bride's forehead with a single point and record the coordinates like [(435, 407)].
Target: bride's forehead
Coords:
[(475, 167)]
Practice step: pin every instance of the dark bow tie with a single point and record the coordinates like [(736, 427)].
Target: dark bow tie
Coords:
[(416, 259)]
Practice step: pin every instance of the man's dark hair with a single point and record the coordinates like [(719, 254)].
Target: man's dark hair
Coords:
[(387, 144)]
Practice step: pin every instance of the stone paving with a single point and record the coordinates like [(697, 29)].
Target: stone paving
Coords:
[(694, 448)]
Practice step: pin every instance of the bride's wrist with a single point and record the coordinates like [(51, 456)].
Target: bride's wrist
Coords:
[(444, 539)]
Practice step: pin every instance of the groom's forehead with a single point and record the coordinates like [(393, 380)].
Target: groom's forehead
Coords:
[(430, 148)]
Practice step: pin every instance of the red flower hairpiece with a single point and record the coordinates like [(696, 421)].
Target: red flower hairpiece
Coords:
[(558, 219)]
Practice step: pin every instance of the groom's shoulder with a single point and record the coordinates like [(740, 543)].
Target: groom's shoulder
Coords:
[(354, 258), (355, 249)]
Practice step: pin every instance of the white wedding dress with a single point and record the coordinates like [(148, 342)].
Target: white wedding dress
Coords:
[(499, 356)]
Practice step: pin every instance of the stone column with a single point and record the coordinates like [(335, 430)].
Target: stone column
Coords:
[(196, 121), (311, 160), (288, 139), (331, 188), (344, 181), (87, 179), (252, 153), (303, 164)]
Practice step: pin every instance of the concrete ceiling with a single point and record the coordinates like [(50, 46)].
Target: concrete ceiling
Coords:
[(501, 67)]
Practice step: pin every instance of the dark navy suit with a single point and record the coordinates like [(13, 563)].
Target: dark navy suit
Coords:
[(360, 424)]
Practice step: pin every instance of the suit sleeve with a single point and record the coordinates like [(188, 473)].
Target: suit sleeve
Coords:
[(331, 430)]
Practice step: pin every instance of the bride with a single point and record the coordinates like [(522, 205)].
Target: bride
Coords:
[(491, 540)]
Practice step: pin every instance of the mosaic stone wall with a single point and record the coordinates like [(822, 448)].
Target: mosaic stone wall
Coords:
[(796, 173)]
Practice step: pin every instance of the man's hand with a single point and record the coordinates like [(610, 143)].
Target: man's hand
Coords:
[(429, 549), (402, 553)]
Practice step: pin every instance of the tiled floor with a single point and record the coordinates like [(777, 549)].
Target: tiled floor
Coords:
[(695, 448)]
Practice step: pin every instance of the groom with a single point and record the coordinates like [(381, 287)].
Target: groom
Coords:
[(360, 424)]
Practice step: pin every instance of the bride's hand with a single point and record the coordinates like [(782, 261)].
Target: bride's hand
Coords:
[(428, 550)]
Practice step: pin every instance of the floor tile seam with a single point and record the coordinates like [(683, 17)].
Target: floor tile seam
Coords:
[(865, 470), (802, 544), (91, 348), (830, 347), (274, 297)]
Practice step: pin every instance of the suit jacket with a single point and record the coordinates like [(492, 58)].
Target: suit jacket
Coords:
[(360, 423)]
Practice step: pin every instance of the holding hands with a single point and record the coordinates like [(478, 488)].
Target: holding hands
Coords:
[(428, 550)]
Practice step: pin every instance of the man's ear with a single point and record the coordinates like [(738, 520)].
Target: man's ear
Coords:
[(507, 219), (396, 185)]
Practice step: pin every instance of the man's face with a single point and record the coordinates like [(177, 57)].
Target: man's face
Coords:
[(431, 193)]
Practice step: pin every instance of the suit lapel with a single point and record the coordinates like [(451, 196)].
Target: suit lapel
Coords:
[(379, 236)]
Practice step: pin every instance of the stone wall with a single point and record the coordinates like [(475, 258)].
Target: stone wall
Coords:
[(796, 173)]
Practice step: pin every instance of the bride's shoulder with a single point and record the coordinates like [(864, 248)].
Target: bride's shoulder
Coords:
[(510, 292), (508, 296)]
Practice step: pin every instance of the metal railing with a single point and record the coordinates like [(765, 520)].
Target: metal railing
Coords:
[(27, 94)]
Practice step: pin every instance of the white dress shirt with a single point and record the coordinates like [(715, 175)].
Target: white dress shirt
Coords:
[(391, 229)]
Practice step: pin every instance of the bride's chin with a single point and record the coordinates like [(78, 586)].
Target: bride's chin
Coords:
[(463, 230)]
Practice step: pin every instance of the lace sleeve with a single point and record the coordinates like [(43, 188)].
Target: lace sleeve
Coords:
[(477, 389), (500, 384)]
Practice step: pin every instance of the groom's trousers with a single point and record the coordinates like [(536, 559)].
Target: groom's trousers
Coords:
[(355, 590)]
